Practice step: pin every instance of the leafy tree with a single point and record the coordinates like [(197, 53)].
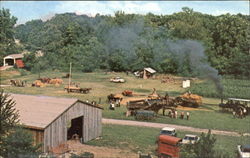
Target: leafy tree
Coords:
[(19, 143), (203, 148), (8, 114), (133, 41), (7, 42)]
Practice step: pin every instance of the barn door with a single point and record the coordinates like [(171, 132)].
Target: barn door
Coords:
[(76, 128)]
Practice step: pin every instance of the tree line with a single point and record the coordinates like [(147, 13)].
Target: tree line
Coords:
[(129, 42)]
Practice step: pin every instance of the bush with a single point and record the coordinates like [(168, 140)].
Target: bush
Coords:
[(23, 72), (83, 155), (19, 143)]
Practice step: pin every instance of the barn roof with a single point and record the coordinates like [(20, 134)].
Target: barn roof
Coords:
[(150, 70), (40, 111), (14, 56)]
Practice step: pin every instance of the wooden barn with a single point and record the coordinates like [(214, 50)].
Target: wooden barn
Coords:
[(148, 73), (54, 120)]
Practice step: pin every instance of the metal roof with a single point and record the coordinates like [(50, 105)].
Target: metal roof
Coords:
[(40, 111), (190, 135), (168, 129), (150, 70), (14, 56), (169, 139), (236, 99)]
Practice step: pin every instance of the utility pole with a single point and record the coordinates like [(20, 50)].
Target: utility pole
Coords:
[(69, 74)]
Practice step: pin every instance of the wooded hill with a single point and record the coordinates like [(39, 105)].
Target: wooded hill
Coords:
[(127, 42)]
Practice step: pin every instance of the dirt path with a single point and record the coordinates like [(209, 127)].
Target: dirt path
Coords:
[(178, 127)]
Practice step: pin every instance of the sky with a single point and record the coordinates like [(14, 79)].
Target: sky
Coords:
[(29, 10)]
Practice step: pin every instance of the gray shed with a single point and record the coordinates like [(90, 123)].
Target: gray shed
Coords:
[(54, 120)]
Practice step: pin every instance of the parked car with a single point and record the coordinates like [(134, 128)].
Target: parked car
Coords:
[(168, 131), (190, 139), (243, 151), (117, 80)]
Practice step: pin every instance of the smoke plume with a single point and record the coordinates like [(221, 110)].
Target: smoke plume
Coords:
[(126, 37)]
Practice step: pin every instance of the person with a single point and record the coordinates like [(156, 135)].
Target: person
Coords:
[(182, 115), (112, 106), (187, 115), (172, 114), (119, 102), (244, 112), (169, 113), (241, 114), (234, 114), (176, 114)]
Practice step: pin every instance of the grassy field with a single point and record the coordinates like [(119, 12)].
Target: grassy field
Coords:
[(207, 116), (143, 139)]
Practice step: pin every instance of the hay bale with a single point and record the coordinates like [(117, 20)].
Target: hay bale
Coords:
[(192, 98), (38, 83), (56, 81)]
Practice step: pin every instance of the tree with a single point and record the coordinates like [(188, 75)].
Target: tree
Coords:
[(14, 140), (7, 42), (203, 148), (19, 143), (8, 114)]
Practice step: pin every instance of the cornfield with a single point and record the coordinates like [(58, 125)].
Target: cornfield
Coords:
[(232, 88)]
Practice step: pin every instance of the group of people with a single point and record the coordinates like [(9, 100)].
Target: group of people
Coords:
[(174, 114), (114, 103), (241, 113)]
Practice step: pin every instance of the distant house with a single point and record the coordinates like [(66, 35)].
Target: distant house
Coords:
[(54, 120), (148, 73), (13, 59)]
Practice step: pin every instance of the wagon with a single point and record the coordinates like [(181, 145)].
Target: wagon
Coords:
[(77, 89)]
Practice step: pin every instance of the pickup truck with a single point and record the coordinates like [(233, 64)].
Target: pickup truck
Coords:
[(243, 151)]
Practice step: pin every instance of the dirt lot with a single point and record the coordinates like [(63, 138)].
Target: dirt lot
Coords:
[(100, 152)]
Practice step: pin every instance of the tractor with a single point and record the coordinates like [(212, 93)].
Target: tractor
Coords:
[(237, 105)]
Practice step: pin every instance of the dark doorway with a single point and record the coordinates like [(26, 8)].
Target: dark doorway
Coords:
[(9, 62), (76, 128)]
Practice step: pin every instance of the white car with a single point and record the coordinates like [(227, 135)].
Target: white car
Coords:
[(190, 139), (168, 131), (243, 151), (117, 80)]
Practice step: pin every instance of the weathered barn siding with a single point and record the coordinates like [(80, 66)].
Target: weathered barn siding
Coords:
[(37, 135), (56, 132)]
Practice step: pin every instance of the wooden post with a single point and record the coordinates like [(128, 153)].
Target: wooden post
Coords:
[(69, 74)]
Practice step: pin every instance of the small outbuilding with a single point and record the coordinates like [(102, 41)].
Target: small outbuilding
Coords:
[(54, 120), (13, 59), (148, 73)]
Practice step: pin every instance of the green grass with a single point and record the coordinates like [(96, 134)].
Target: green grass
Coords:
[(232, 88), (214, 119), (99, 82), (143, 139)]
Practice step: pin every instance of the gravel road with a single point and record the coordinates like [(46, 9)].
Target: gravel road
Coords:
[(177, 127)]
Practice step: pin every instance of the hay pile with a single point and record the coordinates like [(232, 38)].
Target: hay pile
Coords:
[(38, 83), (194, 98), (56, 81)]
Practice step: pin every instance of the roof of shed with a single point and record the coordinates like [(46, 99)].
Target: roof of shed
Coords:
[(150, 70), (40, 111), (14, 56)]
